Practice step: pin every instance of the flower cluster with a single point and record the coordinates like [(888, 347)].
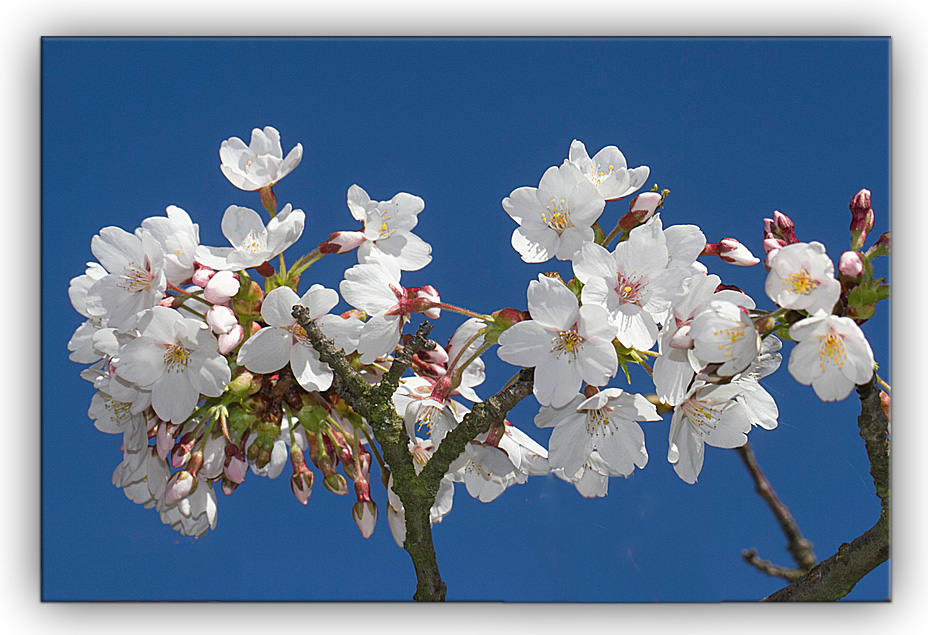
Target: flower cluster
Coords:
[(208, 376)]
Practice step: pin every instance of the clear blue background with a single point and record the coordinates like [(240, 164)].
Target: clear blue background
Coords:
[(734, 128)]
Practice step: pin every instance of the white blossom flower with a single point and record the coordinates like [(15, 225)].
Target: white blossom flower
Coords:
[(676, 365), (475, 372), (802, 277), (528, 456), (177, 359), (604, 422), (633, 283), (388, 229), (566, 343), (712, 414), (608, 170), (832, 354), (259, 164), (135, 278), (723, 333), (178, 237), (81, 345), (555, 218), (284, 341), (252, 243), (374, 287), (486, 471)]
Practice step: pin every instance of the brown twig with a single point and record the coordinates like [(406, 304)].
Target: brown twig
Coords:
[(832, 579), (798, 546)]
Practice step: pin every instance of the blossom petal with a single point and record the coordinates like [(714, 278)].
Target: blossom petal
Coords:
[(310, 372), (535, 244), (552, 304), (525, 343), (266, 351)]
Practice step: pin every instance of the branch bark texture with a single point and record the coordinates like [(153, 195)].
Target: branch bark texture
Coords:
[(832, 579), (375, 404)]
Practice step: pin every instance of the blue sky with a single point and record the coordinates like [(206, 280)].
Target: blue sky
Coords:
[(734, 128)]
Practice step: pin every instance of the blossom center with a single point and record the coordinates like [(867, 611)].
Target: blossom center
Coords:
[(598, 422), (733, 335), (121, 410), (558, 216), (135, 278), (801, 283), (176, 358), (386, 229), (630, 288), (598, 174), (703, 417), (566, 342), (257, 156), (300, 336), (832, 350), (253, 242)]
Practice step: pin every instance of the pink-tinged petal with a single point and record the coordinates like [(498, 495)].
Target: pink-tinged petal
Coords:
[(552, 304), (571, 240), (594, 261), (525, 343), (221, 287), (672, 375), (208, 373), (310, 372), (266, 351), (535, 244), (173, 397), (522, 206), (319, 300), (570, 446), (277, 307), (379, 337)]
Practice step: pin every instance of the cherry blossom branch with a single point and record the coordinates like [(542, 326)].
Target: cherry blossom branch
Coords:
[(375, 404), (832, 579), (798, 546), (476, 422)]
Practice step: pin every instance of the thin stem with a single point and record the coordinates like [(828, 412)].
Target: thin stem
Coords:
[(462, 311), (883, 384), (611, 235), (463, 348), (480, 351), (189, 295)]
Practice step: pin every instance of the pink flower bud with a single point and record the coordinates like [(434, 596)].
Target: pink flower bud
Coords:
[(170, 301), (202, 276), (180, 485), (430, 293), (221, 288), (336, 484), (228, 486), (228, 341), (180, 455), (342, 242), (681, 339), (365, 516), (851, 264), (164, 439), (785, 227), (773, 244), (235, 466), (221, 319), (733, 252), (640, 209)]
